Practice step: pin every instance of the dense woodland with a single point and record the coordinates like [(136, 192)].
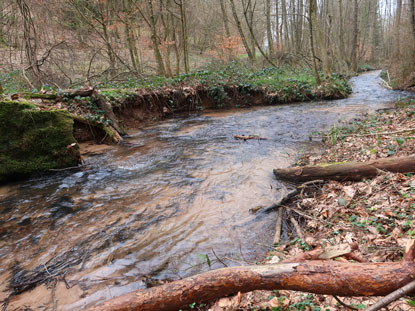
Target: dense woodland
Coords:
[(70, 42)]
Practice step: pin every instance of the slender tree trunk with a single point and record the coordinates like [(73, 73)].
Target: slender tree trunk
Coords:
[(300, 21), (412, 13), (241, 32), (285, 25), (131, 45), (320, 40), (183, 20), (353, 56), (225, 18), (269, 29), (160, 65), (311, 9), (397, 47), (341, 34), (277, 25), (175, 44), (30, 43), (110, 52)]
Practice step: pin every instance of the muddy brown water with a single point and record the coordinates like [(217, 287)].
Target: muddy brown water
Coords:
[(160, 205)]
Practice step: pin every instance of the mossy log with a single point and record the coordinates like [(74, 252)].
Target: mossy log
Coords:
[(111, 134), (60, 95), (91, 92), (33, 141), (347, 171), (319, 277), (109, 113)]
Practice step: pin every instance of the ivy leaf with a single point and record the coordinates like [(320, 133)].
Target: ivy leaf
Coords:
[(342, 201)]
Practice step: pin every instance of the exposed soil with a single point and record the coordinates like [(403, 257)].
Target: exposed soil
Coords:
[(152, 105)]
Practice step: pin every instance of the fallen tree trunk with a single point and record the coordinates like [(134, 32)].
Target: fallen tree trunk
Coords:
[(92, 92), (320, 277), (347, 171), (111, 134), (64, 94)]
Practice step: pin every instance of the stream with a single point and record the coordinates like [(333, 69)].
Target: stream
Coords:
[(169, 202)]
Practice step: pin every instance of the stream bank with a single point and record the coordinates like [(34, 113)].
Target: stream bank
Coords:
[(377, 215), (101, 116)]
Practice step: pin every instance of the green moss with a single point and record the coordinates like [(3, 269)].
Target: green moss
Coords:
[(331, 163), (34, 141)]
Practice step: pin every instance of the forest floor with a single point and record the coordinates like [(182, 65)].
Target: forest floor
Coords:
[(376, 214)]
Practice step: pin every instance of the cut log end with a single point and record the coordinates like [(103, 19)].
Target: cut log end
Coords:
[(347, 171)]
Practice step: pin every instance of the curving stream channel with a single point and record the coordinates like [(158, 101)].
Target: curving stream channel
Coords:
[(160, 204)]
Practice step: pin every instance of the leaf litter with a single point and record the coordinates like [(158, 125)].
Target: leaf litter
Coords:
[(375, 214)]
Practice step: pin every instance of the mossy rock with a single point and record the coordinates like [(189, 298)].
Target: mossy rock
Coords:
[(33, 141)]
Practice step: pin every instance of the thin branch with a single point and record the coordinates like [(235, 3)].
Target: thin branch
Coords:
[(344, 304), (403, 291)]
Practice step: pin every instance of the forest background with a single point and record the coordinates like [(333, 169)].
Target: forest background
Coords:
[(68, 43)]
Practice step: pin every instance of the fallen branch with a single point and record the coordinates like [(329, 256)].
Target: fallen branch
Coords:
[(344, 304), (245, 138), (319, 277), (278, 226), (297, 228), (289, 195), (347, 171), (403, 291), (58, 96)]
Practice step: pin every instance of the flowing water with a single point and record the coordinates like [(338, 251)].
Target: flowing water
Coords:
[(165, 204)]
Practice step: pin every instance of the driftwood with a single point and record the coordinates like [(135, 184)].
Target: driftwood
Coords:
[(319, 277), (245, 138), (347, 171)]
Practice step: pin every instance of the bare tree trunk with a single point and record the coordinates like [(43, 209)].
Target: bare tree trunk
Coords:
[(320, 40), (397, 47), (160, 65), (311, 9), (285, 24), (30, 43), (241, 32), (110, 51), (341, 34), (225, 18), (183, 21), (269, 31), (132, 49), (412, 13), (353, 56)]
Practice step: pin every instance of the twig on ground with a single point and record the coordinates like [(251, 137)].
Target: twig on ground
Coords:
[(297, 228), (408, 288), (277, 237), (220, 260), (344, 304)]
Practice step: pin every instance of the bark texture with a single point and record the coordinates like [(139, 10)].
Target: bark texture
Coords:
[(347, 171), (320, 277)]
